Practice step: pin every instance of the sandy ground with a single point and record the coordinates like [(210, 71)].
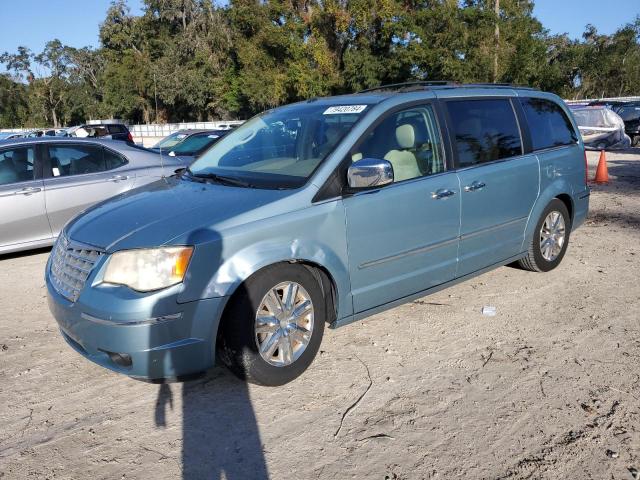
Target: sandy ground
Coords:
[(548, 388)]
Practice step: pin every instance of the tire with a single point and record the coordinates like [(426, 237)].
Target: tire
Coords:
[(238, 337), (536, 260)]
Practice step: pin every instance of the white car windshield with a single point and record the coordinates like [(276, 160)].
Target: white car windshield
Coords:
[(280, 148)]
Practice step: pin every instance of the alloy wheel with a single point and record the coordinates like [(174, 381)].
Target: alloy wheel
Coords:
[(284, 324), (552, 236)]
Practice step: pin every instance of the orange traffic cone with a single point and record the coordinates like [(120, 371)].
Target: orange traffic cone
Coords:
[(602, 173)]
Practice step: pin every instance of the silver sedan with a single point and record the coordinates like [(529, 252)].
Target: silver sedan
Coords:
[(45, 182)]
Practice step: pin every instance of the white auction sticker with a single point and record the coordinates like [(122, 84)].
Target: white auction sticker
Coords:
[(344, 109)]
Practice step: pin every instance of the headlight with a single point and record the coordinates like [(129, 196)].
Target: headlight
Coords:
[(148, 269)]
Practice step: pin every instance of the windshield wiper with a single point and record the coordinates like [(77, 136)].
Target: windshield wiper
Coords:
[(221, 179)]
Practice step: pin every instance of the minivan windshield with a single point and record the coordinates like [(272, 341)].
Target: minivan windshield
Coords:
[(280, 148)]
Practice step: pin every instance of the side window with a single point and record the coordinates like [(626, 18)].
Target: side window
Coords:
[(16, 165), (484, 130), (113, 160), (409, 140), (76, 160), (548, 124)]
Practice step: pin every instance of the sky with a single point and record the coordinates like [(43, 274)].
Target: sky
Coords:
[(76, 22)]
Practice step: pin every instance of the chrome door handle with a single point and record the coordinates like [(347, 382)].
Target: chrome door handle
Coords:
[(118, 178), (442, 193), (475, 186), (28, 190)]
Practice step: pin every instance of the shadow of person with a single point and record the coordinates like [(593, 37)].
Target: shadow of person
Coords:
[(220, 435), (164, 401), (220, 430)]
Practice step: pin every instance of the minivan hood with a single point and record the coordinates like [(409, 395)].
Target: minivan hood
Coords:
[(154, 214)]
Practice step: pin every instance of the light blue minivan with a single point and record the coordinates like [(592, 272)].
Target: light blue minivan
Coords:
[(324, 211)]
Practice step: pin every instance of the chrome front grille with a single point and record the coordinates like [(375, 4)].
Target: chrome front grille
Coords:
[(71, 264)]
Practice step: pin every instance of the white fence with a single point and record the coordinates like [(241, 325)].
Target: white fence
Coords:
[(612, 99), (163, 129), (150, 134), (156, 129)]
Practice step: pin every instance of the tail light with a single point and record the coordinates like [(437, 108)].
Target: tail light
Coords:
[(130, 138)]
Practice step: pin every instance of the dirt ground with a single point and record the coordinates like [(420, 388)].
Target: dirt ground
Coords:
[(547, 388)]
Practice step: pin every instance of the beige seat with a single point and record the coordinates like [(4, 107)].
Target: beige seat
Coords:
[(405, 164)]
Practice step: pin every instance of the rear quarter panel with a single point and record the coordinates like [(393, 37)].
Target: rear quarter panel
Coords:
[(562, 172)]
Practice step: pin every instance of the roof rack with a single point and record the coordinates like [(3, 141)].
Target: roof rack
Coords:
[(405, 85), (496, 85), (419, 85)]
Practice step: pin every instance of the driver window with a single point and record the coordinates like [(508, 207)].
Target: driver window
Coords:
[(409, 140)]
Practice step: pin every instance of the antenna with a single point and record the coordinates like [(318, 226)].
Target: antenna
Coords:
[(164, 176)]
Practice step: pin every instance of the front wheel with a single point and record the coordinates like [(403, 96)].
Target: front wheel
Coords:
[(550, 239), (273, 326)]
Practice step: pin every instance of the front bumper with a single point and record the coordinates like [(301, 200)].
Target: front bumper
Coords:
[(161, 339)]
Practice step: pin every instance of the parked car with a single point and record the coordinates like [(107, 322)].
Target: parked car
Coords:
[(189, 142), (32, 134), (8, 135), (196, 144), (46, 181), (630, 114), (324, 211), (107, 131), (601, 128)]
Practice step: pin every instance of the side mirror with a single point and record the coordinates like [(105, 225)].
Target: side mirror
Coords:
[(369, 173)]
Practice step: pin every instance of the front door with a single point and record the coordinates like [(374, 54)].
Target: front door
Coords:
[(23, 218), (403, 237), (499, 185)]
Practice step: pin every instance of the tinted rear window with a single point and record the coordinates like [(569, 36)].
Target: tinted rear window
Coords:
[(117, 129), (485, 130), (548, 124)]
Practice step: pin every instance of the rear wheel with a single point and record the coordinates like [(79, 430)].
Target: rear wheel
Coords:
[(273, 326), (550, 239)]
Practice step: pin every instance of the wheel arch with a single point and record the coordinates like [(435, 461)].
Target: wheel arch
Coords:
[(560, 190), (332, 276), (568, 202), (320, 273)]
